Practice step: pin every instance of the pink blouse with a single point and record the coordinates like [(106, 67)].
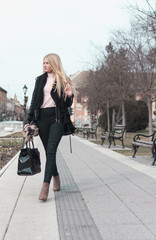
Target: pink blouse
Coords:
[(47, 98)]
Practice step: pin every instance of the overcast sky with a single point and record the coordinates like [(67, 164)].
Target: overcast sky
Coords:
[(30, 29)]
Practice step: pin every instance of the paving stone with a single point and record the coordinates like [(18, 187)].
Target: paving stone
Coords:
[(24, 216), (114, 209), (152, 227), (104, 195), (75, 221), (125, 232)]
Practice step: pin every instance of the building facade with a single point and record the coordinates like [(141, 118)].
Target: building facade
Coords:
[(81, 115), (3, 99), (10, 108), (3, 103)]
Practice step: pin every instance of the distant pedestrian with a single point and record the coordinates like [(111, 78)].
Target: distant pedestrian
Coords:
[(52, 96)]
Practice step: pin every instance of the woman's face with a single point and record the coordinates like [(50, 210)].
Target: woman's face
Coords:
[(46, 66)]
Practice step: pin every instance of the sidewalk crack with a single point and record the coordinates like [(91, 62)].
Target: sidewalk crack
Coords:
[(3, 238)]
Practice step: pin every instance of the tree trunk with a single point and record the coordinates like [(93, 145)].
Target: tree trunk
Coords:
[(149, 104), (113, 118), (123, 114), (118, 115), (91, 120), (123, 117), (108, 118), (98, 115)]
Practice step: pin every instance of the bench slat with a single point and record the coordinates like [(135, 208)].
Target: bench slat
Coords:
[(143, 144)]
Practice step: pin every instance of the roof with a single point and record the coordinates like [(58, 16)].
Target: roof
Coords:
[(3, 90), (79, 78)]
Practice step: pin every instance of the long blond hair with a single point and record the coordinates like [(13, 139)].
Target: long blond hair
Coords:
[(57, 68)]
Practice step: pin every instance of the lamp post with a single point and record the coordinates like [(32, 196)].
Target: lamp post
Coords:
[(25, 103)]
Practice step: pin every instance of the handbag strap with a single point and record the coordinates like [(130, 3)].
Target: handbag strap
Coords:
[(70, 144), (27, 143)]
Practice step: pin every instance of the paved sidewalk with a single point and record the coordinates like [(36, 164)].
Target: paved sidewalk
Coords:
[(104, 195)]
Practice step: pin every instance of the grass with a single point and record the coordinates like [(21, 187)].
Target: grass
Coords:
[(127, 142), (14, 135), (9, 146)]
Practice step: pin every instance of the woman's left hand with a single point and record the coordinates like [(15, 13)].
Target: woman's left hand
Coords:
[(68, 90)]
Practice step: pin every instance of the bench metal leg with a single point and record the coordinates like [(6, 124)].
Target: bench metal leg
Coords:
[(153, 163), (123, 143), (135, 148), (110, 142), (154, 155), (84, 135), (102, 139)]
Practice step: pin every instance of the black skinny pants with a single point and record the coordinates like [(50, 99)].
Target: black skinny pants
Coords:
[(50, 133)]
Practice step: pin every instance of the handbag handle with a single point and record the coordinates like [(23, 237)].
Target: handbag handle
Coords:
[(27, 143)]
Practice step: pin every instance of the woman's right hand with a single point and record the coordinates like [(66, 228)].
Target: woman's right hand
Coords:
[(68, 89), (26, 125)]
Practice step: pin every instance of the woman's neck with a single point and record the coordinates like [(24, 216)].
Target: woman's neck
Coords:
[(50, 75)]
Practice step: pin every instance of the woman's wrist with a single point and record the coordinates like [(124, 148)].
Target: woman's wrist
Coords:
[(67, 83), (68, 89), (70, 94)]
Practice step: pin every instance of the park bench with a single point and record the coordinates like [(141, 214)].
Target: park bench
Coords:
[(92, 131), (139, 140), (87, 131), (116, 134), (79, 130), (105, 135)]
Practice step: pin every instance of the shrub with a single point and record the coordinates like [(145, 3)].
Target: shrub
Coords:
[(136, 116)]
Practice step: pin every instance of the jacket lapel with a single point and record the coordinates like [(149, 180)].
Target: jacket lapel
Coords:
[(39, 94)]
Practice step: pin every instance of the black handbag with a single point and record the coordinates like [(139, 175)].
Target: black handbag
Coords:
[(29, 161)]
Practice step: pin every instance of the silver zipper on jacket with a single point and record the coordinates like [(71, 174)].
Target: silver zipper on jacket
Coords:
[(35, 115), (59, 117), (56, 114)]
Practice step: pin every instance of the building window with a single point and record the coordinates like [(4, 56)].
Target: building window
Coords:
[(78, 99)]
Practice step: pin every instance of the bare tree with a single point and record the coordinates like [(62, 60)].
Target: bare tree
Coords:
[(145, 17), (111, 83), (119, 71), (142, 51)]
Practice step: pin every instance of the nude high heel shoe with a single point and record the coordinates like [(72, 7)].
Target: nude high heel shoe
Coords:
[(56, 183), (44, 191)]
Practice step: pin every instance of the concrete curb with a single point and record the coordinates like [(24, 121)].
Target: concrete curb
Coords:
[(8, 164)]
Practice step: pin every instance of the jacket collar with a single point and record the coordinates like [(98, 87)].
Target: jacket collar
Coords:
[(43, 76)]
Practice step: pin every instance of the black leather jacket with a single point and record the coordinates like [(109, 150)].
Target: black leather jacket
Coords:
[(62, 113)]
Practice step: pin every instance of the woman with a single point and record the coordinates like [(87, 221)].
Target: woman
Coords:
[(51, 98)]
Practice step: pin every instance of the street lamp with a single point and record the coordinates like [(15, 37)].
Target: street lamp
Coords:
[(25, 103), (25, 90)]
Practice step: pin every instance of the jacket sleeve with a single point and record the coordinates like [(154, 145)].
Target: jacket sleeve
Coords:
[(30, 116), (69, 100)]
